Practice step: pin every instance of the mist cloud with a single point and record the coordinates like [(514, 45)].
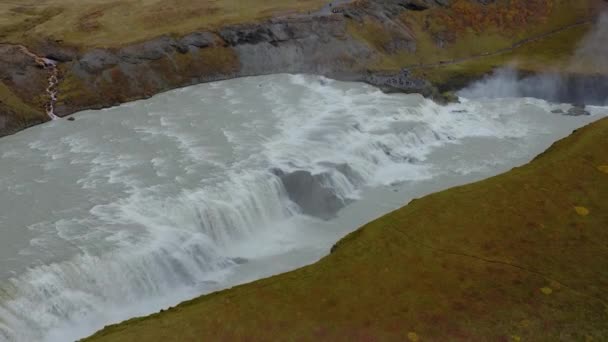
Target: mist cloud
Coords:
[(583, 81)]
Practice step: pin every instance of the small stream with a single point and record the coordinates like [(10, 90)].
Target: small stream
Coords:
[(53, 80)]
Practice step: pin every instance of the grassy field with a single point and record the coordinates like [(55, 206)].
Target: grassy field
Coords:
[(11, 104), (553, 53), (471, 30), (517, 257), (103, 23)]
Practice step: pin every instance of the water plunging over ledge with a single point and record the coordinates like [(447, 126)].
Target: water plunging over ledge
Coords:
[(53, 80), (132, 209)]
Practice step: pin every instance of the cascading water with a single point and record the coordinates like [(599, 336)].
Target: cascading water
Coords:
[(53, 80), (135, 208)]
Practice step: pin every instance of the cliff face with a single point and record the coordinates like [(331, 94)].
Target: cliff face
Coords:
[(408, 45), (300, 45)]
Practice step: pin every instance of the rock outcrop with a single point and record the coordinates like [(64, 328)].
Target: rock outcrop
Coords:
[(366, 40), (318, 43), (301, 44), (310, 193)]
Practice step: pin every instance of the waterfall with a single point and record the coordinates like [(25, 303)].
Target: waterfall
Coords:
[(144, 205), (53, 80)]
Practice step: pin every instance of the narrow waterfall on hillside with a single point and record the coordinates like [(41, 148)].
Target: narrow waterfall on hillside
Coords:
[(132, 209), (53, 80)]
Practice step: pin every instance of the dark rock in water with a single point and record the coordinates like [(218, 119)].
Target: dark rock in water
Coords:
[(353, 176), (558, 111), (447, 98), (71, 118), (239, 260), (310, 194), (403, 81), (577, 110)]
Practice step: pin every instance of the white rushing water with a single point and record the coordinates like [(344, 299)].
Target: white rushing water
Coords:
[(135, 208)]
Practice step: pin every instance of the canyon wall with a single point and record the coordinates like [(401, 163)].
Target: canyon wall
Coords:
[(398, 45)]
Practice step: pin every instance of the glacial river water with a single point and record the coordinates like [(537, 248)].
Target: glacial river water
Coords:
[(132, 209)]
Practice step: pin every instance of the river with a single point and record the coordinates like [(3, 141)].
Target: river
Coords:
[(135, 208)]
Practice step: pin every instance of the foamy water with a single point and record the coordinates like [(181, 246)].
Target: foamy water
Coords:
[(132, 209)]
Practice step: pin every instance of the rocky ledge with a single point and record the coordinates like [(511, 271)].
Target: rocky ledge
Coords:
[(349, 42)]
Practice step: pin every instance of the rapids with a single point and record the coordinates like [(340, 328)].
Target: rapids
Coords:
[(135, 208)]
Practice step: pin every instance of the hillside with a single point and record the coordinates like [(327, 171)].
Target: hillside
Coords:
[(111, 53), (97, 23), (517, 257), (520, 256)]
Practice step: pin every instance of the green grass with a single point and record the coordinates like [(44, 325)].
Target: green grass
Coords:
[(472, 29), (506, 259), (15, 114), (10, 100), (553, 53), (117, 88), (100, 23), (475, 30)]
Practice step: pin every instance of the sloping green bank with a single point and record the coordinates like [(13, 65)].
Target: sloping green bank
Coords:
[(521, 256)]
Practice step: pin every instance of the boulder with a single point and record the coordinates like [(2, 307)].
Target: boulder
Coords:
[(199, 39), (577, 110), (308, 191)]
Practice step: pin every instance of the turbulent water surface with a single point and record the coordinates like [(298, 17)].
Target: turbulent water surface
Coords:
[(135, 208)]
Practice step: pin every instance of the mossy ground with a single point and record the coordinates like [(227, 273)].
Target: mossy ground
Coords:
[(553, 53), (8, 98), (521, 256), (468, 40), (98, 23), (465, 29), (116, 87), (12, 105)]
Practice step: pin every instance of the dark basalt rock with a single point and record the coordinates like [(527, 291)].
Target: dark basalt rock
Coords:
[(317, 43), (97, 60), (353, 176), (401, 82), (389, 8), (309, 192), (61, 55), (577, 110), (199, 39), (150, 50)]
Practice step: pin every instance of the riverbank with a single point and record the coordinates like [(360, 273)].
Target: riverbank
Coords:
[(421, 46), (476, 262)]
